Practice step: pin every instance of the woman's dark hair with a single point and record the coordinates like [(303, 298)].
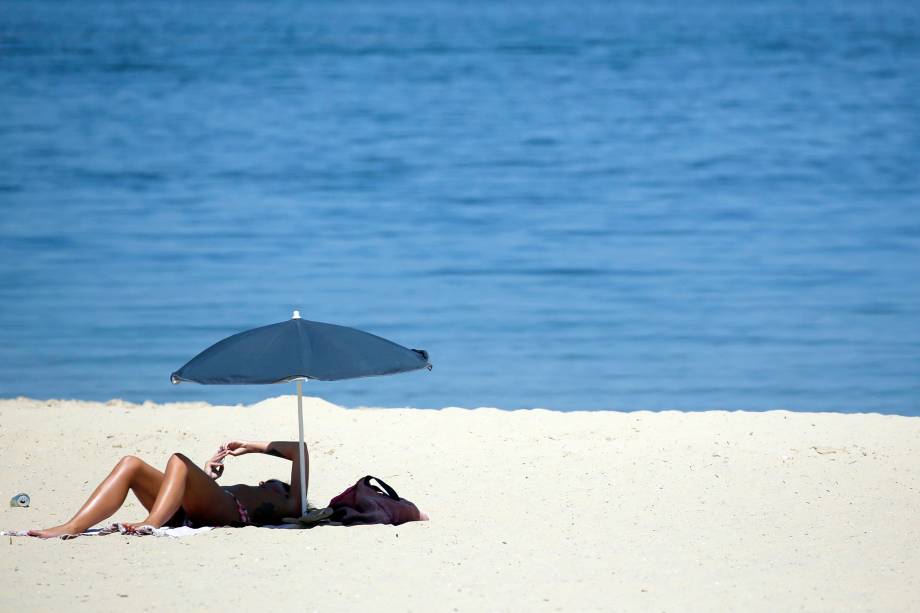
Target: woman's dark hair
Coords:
[(287, 486)]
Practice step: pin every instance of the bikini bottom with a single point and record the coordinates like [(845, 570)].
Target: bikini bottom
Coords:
[(180, 518)]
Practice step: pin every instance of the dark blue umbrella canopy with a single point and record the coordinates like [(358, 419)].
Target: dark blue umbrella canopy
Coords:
[(296, 349)]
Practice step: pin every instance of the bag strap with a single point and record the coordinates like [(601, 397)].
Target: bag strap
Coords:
[(389, 490)]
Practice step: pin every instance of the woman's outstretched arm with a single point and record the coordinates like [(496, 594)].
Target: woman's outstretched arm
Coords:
[(281, 449)]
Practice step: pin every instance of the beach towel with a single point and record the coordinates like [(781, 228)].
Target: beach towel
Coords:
[(366, 503), (179, 532)]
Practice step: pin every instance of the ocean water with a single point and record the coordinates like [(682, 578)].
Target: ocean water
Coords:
[(575, 206)]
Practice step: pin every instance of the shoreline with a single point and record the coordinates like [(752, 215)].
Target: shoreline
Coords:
[(118, 403)]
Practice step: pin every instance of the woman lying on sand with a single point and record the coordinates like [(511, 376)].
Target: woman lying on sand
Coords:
[(188, 495)]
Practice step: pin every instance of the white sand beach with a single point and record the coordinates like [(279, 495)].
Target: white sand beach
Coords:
[(530, 511)]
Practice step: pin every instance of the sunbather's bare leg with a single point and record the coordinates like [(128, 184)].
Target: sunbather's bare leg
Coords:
[(187, 486), (130, 473)]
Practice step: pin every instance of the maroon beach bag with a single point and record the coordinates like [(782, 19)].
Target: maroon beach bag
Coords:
[(366, 503)]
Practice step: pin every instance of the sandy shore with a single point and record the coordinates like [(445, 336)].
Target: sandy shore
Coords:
[(531, 510)]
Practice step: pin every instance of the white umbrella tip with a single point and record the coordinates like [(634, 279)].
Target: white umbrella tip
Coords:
[(296, 315)]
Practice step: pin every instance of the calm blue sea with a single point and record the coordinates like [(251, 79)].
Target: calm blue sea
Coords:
[(640, 205)]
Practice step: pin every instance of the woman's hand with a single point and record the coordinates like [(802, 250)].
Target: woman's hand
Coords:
[(215, 466), (237, 448)]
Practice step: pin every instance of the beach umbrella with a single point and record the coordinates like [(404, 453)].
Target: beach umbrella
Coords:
[(297, 350)]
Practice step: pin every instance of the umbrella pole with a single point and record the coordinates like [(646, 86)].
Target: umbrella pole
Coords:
[(300, 451)]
